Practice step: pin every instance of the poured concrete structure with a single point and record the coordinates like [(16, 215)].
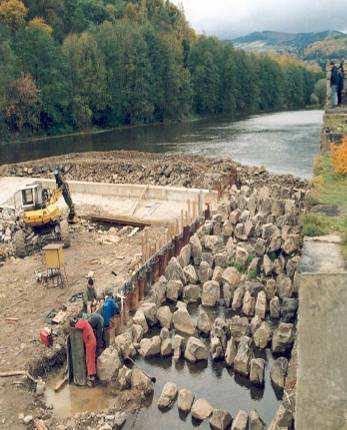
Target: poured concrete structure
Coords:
[(134, 203), (321, 397)]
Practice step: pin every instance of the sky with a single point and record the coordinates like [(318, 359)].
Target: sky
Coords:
[(232, 18)]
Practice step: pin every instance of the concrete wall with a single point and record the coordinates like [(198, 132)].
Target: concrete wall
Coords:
[(135, 191), (321, 396)]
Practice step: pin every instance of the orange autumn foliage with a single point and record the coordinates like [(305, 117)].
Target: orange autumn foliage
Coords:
[(339, 157)]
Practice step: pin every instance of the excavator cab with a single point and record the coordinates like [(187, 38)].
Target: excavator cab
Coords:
[(32, 197)]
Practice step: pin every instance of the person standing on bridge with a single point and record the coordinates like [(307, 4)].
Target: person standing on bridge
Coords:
[(340, 85), (334, 81)]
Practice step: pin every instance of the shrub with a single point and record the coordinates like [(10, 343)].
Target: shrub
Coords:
[(339, 157)]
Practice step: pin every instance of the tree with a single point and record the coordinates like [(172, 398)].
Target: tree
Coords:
[(12, 13), (22, 110), (40, 24), (86, 78)]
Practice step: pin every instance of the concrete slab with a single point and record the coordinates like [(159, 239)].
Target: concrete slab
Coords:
[(321, 397), (153, 204)]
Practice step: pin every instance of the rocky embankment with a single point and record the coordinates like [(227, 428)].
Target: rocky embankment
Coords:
[(244, 259)]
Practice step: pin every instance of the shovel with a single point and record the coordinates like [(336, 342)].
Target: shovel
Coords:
[(131, 361)]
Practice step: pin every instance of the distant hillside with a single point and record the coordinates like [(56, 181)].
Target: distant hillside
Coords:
[(307, 46)]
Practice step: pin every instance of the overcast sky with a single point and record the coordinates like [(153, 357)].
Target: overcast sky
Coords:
[(232, 18)]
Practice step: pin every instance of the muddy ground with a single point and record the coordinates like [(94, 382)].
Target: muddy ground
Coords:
[(99, 250)]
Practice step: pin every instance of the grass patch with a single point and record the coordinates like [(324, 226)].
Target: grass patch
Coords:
[(328, 188)]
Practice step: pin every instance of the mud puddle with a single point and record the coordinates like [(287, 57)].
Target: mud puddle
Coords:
[(73, 400)]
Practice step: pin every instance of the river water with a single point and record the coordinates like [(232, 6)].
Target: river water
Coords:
[(284, 142)]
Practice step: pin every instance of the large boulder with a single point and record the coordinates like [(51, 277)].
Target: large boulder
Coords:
[(283, 419), (204, 324), (150, 312), (174, 271), (183, 322), (220, 419), (124, 345), (166, 347), (196, 249), (288, 309), (278, 372), (255, 324), (238, 327), (292, 244), (235, 216), (267, 265), (230, 352), (140, 319), (201, 409), (257, 371), (231, 276), (178, 346), (283, 338), (150, 347), (238, 298), (159, 291), (216, 348), (270, 289), (164, 316), (168, 396), (213, 243), (204, 272), (262, 335), (124, 378), (275, 308), (243, 356), (227, 294), (248, 304), (190, 273), (210, 293), (140, 381), (255, 421), (240, 421), (174, 290), (185, 400), (191, 293), (208, 258), (284, 286), (185, 255), (108, 365), (196, 350), (137, 333), (260, 306)]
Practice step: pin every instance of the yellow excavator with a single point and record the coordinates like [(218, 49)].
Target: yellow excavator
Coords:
[(39, 217)]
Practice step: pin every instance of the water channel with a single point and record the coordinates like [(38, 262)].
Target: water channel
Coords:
[(284, 142)]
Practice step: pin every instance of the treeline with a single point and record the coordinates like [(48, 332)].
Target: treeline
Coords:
[(76, 64)]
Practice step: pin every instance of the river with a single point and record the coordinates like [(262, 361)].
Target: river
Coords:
[(284, 142)]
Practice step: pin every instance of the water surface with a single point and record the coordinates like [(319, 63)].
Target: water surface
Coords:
[(284, 142)]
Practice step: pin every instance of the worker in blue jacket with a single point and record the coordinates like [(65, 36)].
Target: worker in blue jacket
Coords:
[(110, 310)]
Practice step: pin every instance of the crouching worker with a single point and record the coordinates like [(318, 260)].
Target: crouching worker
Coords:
[(97, 323), (110, 310), (90, 347)]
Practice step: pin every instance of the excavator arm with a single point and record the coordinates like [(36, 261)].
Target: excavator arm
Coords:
[(63, 190)]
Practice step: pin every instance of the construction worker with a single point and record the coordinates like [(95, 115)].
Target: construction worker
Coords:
[(89, 341), (90, 297), (97, 323), (110, 309)]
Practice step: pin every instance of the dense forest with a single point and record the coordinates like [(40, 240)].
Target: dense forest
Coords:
[(67, 65)]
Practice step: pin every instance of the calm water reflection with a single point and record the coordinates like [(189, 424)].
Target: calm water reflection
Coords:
[(284, 142)]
